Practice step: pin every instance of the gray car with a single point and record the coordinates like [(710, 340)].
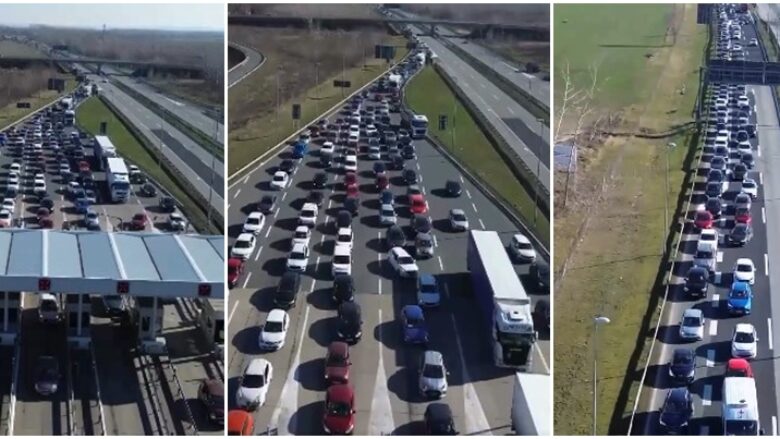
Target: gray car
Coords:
[(433, 375), (705, 259), (692, 324)]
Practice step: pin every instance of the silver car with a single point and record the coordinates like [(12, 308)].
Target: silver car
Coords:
[(433, 375), (692, 324)]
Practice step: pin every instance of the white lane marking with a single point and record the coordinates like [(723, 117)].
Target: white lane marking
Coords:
[(257, 256), (435, 241), (441, 264), (769, 339), (461, 178), (510, 110), (761, 178), (710, 358), (766, 264), (311, 288), (276, 212), (316, 264), (246, 281), (246, 179), (541, 357), (713, 327), (233, 310), (475, 207), (288, 401), (706, 395), (236, 194), (268, 232), (330, 201), (495, 97), (284, 195), (715, 300), (758, 149), (482, 224), (418, 166), (774, 425), (380, 421), (423, 191), (763, 215), (468, 194), (719, 257)]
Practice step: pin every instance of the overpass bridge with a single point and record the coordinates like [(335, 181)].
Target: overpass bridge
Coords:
[(142, 68)]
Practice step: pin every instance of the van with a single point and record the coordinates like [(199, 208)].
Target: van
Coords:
[(49, 310), (740, 407)]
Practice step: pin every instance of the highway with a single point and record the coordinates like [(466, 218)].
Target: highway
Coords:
[(527, 136), (714, 350), (111, 388), (383, 367), (239, 72)]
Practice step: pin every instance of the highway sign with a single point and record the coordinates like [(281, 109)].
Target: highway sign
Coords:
[(296, 111), (345, 84)]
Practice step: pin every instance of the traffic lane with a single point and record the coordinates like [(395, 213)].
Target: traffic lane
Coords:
[(254, 61), (7, 358)]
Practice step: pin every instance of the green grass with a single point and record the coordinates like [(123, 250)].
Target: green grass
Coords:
[(93, 111), (10, 113), (428, 94), (615, 38), (10, 49)]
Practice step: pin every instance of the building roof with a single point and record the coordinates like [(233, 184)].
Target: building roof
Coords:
[(150, 264)]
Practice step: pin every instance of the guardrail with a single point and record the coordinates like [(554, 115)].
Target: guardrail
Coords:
[(538, 109), (154, 401), (765, 55), (207, 142), (193, 430), (101, 415), (71, 396), (195, 218), (524, 174)]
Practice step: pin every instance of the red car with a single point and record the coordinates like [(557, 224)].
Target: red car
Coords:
[(382, 182), (417, 204), (45, 223), (703, 219), (42, 213), (350, 178), (352, 190), (235, 270), (337, 363), (339, 417), (739, 367), (742, 215), (240, 423), (138, 222)]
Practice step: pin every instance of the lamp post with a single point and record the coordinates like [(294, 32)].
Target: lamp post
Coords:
[(597, 321)]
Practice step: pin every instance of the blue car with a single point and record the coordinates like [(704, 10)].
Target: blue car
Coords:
[(677, 410), (740, 299), (299, 150), (82, 205), (387, 197), (414, 326), (428, 291)]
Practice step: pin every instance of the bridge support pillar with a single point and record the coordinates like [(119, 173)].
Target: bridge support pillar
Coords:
[(78, 309), (150, 318), (9, 317)]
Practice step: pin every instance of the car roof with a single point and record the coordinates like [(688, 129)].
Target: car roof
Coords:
[(235, 262), (413, 311), (245, 237), (299, 246), (688, 352), (427, 279), (439, 411), (276, 315), (399, 251), (342, 250), (745, 261), (744, 327), (349, 308), (679, 393), (237, 419), (256, 366), (433, 357), (309, 206), (341, 393), (215, 387), (693, 312), (302, 229)]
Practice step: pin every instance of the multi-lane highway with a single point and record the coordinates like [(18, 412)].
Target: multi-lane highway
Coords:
[(714, 350), (111, 388), (249, 65), (384, 368)]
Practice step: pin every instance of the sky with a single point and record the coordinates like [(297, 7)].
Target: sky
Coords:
[(117, 16)]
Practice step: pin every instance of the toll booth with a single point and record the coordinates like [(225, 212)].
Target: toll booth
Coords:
[(78, 308), (211, 321), (150, 323)]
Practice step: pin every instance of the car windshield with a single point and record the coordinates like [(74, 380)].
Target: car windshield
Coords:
[(458, 217), (48, 305), (691, 321), (279, 178), (744, 337), (741, 428), (405, 260), (272, 327), (242, 244), (739, 294), (433, 371), (253, 381), (675, 405), (748, 184), (413, 322), (388, 212), (307, 213), (338, 408), (744, 267), (345, 237), (253, 221), (682, 358), (341, 259), (301, 235), (702, 216), (297, 255)]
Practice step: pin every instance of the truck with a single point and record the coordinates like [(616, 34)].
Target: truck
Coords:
[(211, 322), (394, 82), (502, 300), (69, 118), (531, 402), (118, 179), (417, 124), (66, 103), (419, 57), (740, 407), (103, 150)]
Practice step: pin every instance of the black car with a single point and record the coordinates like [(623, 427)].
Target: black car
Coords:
[(683, 365), (267, 203), (409, 176), (740, 234), (379, 168), (148, 190), (326, 160), (718, 163), (747, 160), (343, 288), (350, 322), (387, 197), (315, 197), (453, 188), (677, 410), (167, 204), (421, 224), (351, 205), (287, 290), (287, 166), (343, 219), (47, 203), (397, 161), (540, 275), (408, 152), (541, 315), (47, 375), (713, 189), (696, 281), (439, 420), (395, 236), (319, 180), (714, 206), (715, 175), (739, 172)]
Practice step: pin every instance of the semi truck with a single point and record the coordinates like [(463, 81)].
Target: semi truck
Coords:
[(505, 306), (417, 124), (118, 179), (531, 402)]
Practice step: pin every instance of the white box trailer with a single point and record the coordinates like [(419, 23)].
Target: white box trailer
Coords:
[(532, 405)]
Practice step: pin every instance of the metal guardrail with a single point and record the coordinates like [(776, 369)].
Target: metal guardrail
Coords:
[(524, 174), (101, 416), (72, 429), (154, 400), (193, 428)]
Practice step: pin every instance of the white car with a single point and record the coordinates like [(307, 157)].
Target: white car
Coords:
[(342, 260), (274, 331), (280, 180), (744, 341), (708, 241), (254, 222), (39, 187), (402, 262), (692, 324), (350, 163), (387, 215), (253, 385), (15, 168), (299, 258), (301, 235), (6, 218), (244, 246), (353, 140), (433, 375), (374, 153), (327, 148), (520, 248), (9, 204), (308, 215), (458, 220), (750, 187), (745, 271), (344, 237), (743, 147)]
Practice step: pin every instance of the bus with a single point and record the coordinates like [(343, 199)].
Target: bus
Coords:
[(118, 180)]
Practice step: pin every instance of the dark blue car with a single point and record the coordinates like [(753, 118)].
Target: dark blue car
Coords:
[(414, 327), (387, 197), (677, 410), (683, 365)]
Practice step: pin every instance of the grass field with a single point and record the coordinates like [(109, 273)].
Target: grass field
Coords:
[(88, 117), (10, 49), (427, 93), (10, 113), (611, 236), (253, 123), (522, 52)]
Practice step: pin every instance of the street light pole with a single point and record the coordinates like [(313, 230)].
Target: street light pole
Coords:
[(598, 320)]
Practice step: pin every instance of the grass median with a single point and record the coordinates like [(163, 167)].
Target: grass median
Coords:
[(428, 94), (93, 111)]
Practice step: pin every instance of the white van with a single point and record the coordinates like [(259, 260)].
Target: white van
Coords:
[(740, 407), (49, 310)]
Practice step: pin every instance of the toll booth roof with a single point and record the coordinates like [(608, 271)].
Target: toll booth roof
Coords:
[(152, 258)]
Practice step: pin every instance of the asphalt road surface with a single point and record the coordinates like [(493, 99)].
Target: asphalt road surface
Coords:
[(383, 368), (714, 350), (253, 61)]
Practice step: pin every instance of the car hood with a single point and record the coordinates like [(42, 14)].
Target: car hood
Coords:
[(415, 333), (298, 262), (337, 373), (674, 419), (691, 330), (682, 369), (339, 424), (439, 384), (743, 276), (744, 347)]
